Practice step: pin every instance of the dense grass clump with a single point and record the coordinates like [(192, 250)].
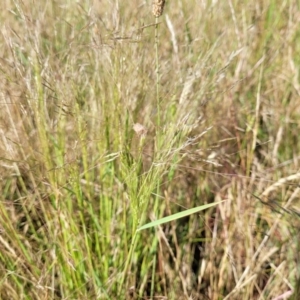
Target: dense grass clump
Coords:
[(115, 114)]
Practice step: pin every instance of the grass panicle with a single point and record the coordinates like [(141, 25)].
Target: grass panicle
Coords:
[(158, 7)]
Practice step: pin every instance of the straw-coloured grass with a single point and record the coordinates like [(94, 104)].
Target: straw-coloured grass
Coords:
[(110, 151)]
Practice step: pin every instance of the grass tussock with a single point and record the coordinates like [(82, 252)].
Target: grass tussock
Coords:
[(111, 117)]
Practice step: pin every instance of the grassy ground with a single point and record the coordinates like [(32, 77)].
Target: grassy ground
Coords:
[(108, 122)]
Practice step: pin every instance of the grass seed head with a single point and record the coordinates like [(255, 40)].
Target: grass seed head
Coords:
[(140, 130), (158, 7)]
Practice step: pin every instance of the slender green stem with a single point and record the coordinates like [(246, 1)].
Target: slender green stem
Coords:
[(127, 263), (158, 137), (157, 86), (153, 277)]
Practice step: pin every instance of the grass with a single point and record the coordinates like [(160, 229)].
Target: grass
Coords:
[(117, 130)]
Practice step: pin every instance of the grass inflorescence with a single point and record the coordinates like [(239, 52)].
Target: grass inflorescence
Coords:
[(149, 154)]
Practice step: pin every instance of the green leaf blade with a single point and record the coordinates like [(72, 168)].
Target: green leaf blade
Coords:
[(178, 215)]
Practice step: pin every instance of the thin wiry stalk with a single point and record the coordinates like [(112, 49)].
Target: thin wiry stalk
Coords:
[(158, 120), (127, 264)]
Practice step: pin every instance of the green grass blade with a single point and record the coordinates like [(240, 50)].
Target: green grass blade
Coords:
[(178, 215)]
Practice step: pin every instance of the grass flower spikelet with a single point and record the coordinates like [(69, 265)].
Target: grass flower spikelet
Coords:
[(158, 7)]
